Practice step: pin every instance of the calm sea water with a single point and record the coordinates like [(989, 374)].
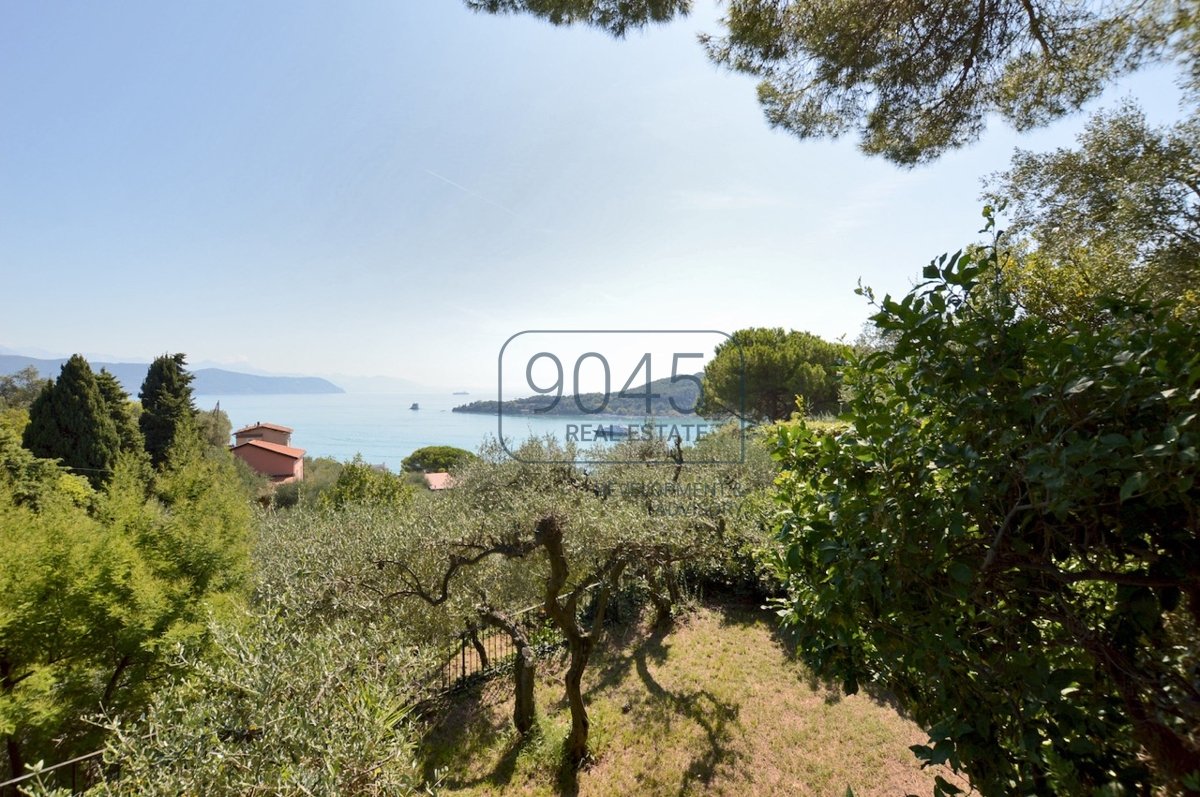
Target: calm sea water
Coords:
[(381, 427)]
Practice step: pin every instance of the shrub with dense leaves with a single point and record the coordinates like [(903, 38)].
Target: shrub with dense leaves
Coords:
[(361, 484), (99, 589), (1006, 537)]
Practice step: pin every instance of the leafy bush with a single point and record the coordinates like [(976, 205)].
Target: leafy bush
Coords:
[(1005, 536), (320, 476), (214, 427), (18, 391), (363, 484), (98, 589)]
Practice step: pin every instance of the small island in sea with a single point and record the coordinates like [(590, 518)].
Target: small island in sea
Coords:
[(669, 399)]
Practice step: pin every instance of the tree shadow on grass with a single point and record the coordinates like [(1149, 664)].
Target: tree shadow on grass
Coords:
[(500, 775), (619, 654), (610, 664), (568, 777), (470, 726), (465, 729), (717, 718)]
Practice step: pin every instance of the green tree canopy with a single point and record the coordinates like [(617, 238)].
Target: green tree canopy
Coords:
[(762, 370), (32, 482), (99, 591), (437, 458), (912, 79), (1005, 537), (616, 17), (122, 412), (1119, 213), (17, 391), (215, 427), (69, 420), (166, 404)]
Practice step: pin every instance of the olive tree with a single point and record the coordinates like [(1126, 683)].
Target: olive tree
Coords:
[(699, 510), (522, 530), (543, 527), (282, 709), (20, 389)]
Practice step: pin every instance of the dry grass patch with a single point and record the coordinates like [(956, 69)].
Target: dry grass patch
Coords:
[(715, 705)]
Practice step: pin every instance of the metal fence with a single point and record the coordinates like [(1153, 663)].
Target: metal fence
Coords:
[(481, 652), (484, 651)]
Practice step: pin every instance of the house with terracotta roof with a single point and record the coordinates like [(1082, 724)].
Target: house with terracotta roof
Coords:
[(270, 432), (266, 448)]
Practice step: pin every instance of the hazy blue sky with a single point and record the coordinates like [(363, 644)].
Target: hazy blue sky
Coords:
[(397, 187)]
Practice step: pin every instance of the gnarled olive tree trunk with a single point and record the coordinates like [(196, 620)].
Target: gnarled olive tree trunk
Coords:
[(524, 668), (477, 643), (580, 642)]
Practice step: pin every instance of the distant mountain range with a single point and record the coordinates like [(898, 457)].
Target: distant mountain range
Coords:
[(377, 384), (684, 391), (208, 381)]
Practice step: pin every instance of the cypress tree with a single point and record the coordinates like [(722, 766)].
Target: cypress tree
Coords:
[(69, 421), (166, 404), (116, 402)]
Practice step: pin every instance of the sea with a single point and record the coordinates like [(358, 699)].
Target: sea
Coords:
[(384, 428)]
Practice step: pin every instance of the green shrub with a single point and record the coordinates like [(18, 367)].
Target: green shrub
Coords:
[(360, 483), (1004, 537)]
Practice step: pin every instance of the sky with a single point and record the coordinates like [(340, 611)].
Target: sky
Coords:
[(394, 187)]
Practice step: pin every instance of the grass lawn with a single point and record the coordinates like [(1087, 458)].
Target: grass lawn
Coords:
[(715, 705)]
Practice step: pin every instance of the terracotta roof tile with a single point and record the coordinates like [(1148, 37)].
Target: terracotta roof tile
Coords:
[(261, 425), (439, 481)]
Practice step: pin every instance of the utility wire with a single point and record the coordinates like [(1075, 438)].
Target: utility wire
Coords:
[(44, 770)]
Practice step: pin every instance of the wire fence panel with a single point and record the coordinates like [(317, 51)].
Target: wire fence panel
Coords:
[(464, 663)]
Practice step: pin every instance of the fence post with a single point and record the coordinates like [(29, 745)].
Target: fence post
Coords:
[(462, 646)]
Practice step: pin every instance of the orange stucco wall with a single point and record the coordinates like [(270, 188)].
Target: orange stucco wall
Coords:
[(278, 467)]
